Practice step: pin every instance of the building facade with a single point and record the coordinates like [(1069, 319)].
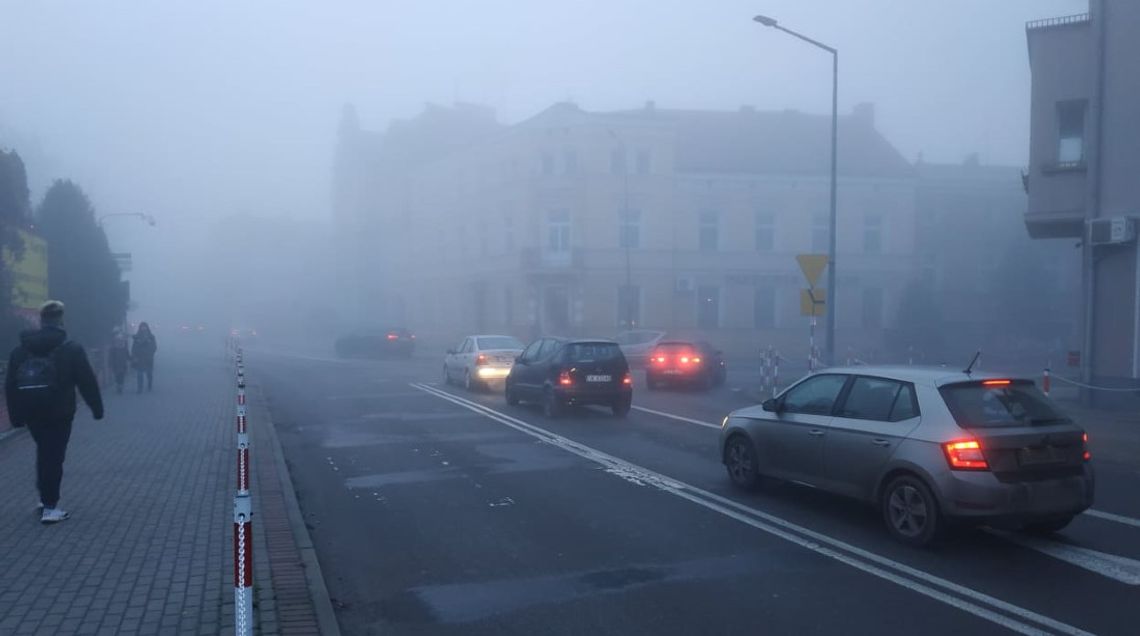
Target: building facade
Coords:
[(1084, 157), (583, 223)]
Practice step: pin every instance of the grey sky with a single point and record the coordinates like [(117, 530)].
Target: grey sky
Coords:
[(214, 107)]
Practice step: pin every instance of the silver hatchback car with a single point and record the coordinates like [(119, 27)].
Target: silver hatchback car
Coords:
[(928, 447)]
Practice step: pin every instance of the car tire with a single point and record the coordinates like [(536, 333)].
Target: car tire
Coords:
[(741, 462), (1046, 526), (512, 399), (910, 511), (446, 376), (551, 405), (621, 407), (468, 383), (721, 376)]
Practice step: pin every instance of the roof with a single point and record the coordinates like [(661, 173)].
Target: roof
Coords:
[(924, 375)]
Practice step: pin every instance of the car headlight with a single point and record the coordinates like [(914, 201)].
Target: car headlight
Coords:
[(724, 422)]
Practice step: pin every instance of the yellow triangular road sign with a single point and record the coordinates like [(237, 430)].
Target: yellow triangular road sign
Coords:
[(812, 266)]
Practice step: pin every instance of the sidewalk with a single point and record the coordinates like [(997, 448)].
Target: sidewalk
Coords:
[(148, 549)]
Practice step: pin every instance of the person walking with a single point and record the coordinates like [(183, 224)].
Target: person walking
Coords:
[(120, 355), (142, 355), (43, 373)]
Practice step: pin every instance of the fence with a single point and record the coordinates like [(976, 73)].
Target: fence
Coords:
[(243, 512)]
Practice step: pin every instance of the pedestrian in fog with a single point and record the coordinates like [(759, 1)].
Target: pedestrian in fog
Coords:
[(142, 356), (43, 374), (120, 358)]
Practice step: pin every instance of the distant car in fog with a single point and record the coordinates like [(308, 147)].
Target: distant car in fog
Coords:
[(676, 362), (557, 373), (637, 343), (481, 361), (397, 342), (239, 332)]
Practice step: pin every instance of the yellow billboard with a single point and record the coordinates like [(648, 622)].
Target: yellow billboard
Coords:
[(29, 272)]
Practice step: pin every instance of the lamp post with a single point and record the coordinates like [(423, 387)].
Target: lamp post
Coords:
[(624, 236), (829, 351)]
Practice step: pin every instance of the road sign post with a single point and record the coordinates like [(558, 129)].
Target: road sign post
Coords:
[(812, 299)]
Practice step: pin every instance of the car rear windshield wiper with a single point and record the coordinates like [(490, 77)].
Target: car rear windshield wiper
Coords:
[(1050, 420)]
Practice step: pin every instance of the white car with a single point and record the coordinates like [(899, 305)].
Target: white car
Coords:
[(480, 361), (637, 344)]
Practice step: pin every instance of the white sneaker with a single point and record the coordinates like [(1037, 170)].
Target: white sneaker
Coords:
[(53, 515)]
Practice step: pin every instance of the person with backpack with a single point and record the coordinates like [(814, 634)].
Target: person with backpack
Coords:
[(43, 373), (142, 355), (120, 356)]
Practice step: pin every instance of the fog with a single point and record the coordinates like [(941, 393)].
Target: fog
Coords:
[(220, 119)]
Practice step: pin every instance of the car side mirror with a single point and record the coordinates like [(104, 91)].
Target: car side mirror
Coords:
[(772, 405), (519, 359)]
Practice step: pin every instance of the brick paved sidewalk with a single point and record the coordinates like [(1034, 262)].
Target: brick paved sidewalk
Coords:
[(148, 549)]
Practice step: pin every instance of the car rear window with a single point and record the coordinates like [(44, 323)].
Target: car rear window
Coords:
[(1018, 403), (675, 347), (592, 352), (499, 342)]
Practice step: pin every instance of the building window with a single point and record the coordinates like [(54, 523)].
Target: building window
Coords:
[(872, 308), (629, 229), (709, 231), (629, 306), (617, 161), (570, 161), (1071, 121), (820, 233), (765, 231), (558, 231), (547, 164), (873, 234), (764, 307), (708, 307), (643, 162)]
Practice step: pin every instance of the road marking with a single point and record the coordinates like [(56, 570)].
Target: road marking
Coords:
[(1113, 566), (920, 582), (1128, 521), (677, 417)]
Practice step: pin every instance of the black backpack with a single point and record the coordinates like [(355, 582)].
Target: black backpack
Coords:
[(38, 381)]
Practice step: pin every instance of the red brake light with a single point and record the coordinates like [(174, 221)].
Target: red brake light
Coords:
[(1085, 444), (480, 360), (965, 455), (393, 336), (627, 379), (684, 359), (564, 378), (660, 359), (996, 382), (696, 360)]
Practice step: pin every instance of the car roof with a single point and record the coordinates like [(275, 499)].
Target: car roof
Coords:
[(491, 335), (924, 375), (587, 341)]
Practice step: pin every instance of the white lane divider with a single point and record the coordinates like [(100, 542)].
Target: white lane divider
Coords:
[(1113, 566), (676, 417), (1108, 516), (968, 600)]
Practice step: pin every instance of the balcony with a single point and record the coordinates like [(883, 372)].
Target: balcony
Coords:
[(1065, 20)]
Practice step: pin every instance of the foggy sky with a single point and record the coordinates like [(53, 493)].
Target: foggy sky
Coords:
[(210, 108)]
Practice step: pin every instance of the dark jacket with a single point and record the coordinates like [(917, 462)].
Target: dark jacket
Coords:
[(74, 370), (143, 349), (120, 357)]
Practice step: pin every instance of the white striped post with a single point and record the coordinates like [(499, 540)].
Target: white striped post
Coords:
[(243, 518), (1046, 382)]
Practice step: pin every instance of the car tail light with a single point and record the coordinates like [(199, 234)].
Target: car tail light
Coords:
[(393, 336), (480, 360), (627, 379), (684, 359), (996, 382), (564, 378), (965, 455), (660, 359), (413, 336), (696, 360), (1085, 446)]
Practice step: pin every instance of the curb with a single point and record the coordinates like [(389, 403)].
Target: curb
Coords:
[(318, 592)]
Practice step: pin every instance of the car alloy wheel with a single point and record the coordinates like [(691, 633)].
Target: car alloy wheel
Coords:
[(512, 399), (740, 461), (910, 511)]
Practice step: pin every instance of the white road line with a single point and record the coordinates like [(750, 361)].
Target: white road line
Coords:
[(677, 417), (1128, 521), (1113, 566), (809, 539)]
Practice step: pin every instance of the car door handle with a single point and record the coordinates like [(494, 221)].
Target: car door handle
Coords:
[(815, 432), (878, 441)]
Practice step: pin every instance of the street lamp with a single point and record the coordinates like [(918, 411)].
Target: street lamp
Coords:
[(624, 237), (138, 215), (829, 352)]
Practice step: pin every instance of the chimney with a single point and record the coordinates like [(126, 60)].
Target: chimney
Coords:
[(864, 113)]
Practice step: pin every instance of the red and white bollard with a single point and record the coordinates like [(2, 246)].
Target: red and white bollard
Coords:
[(243, 566), (1046, 383)]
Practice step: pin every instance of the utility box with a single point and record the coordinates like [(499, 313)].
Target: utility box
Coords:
[(1112, 231)]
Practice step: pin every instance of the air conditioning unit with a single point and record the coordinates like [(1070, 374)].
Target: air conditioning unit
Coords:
[(1112, 231), (685, 285)]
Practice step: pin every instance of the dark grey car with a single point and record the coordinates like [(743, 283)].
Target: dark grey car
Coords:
[(927, 446)]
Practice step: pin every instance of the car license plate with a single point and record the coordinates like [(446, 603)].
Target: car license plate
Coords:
[(1033, 456), (598, 378), (672, 372)]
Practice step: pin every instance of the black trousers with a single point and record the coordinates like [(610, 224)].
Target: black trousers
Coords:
[(51, 447)]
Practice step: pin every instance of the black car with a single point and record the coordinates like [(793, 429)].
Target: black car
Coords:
[(559, 372), (675, 362), (395, 343)]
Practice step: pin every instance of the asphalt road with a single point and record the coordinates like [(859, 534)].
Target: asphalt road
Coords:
[(437, 511)]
